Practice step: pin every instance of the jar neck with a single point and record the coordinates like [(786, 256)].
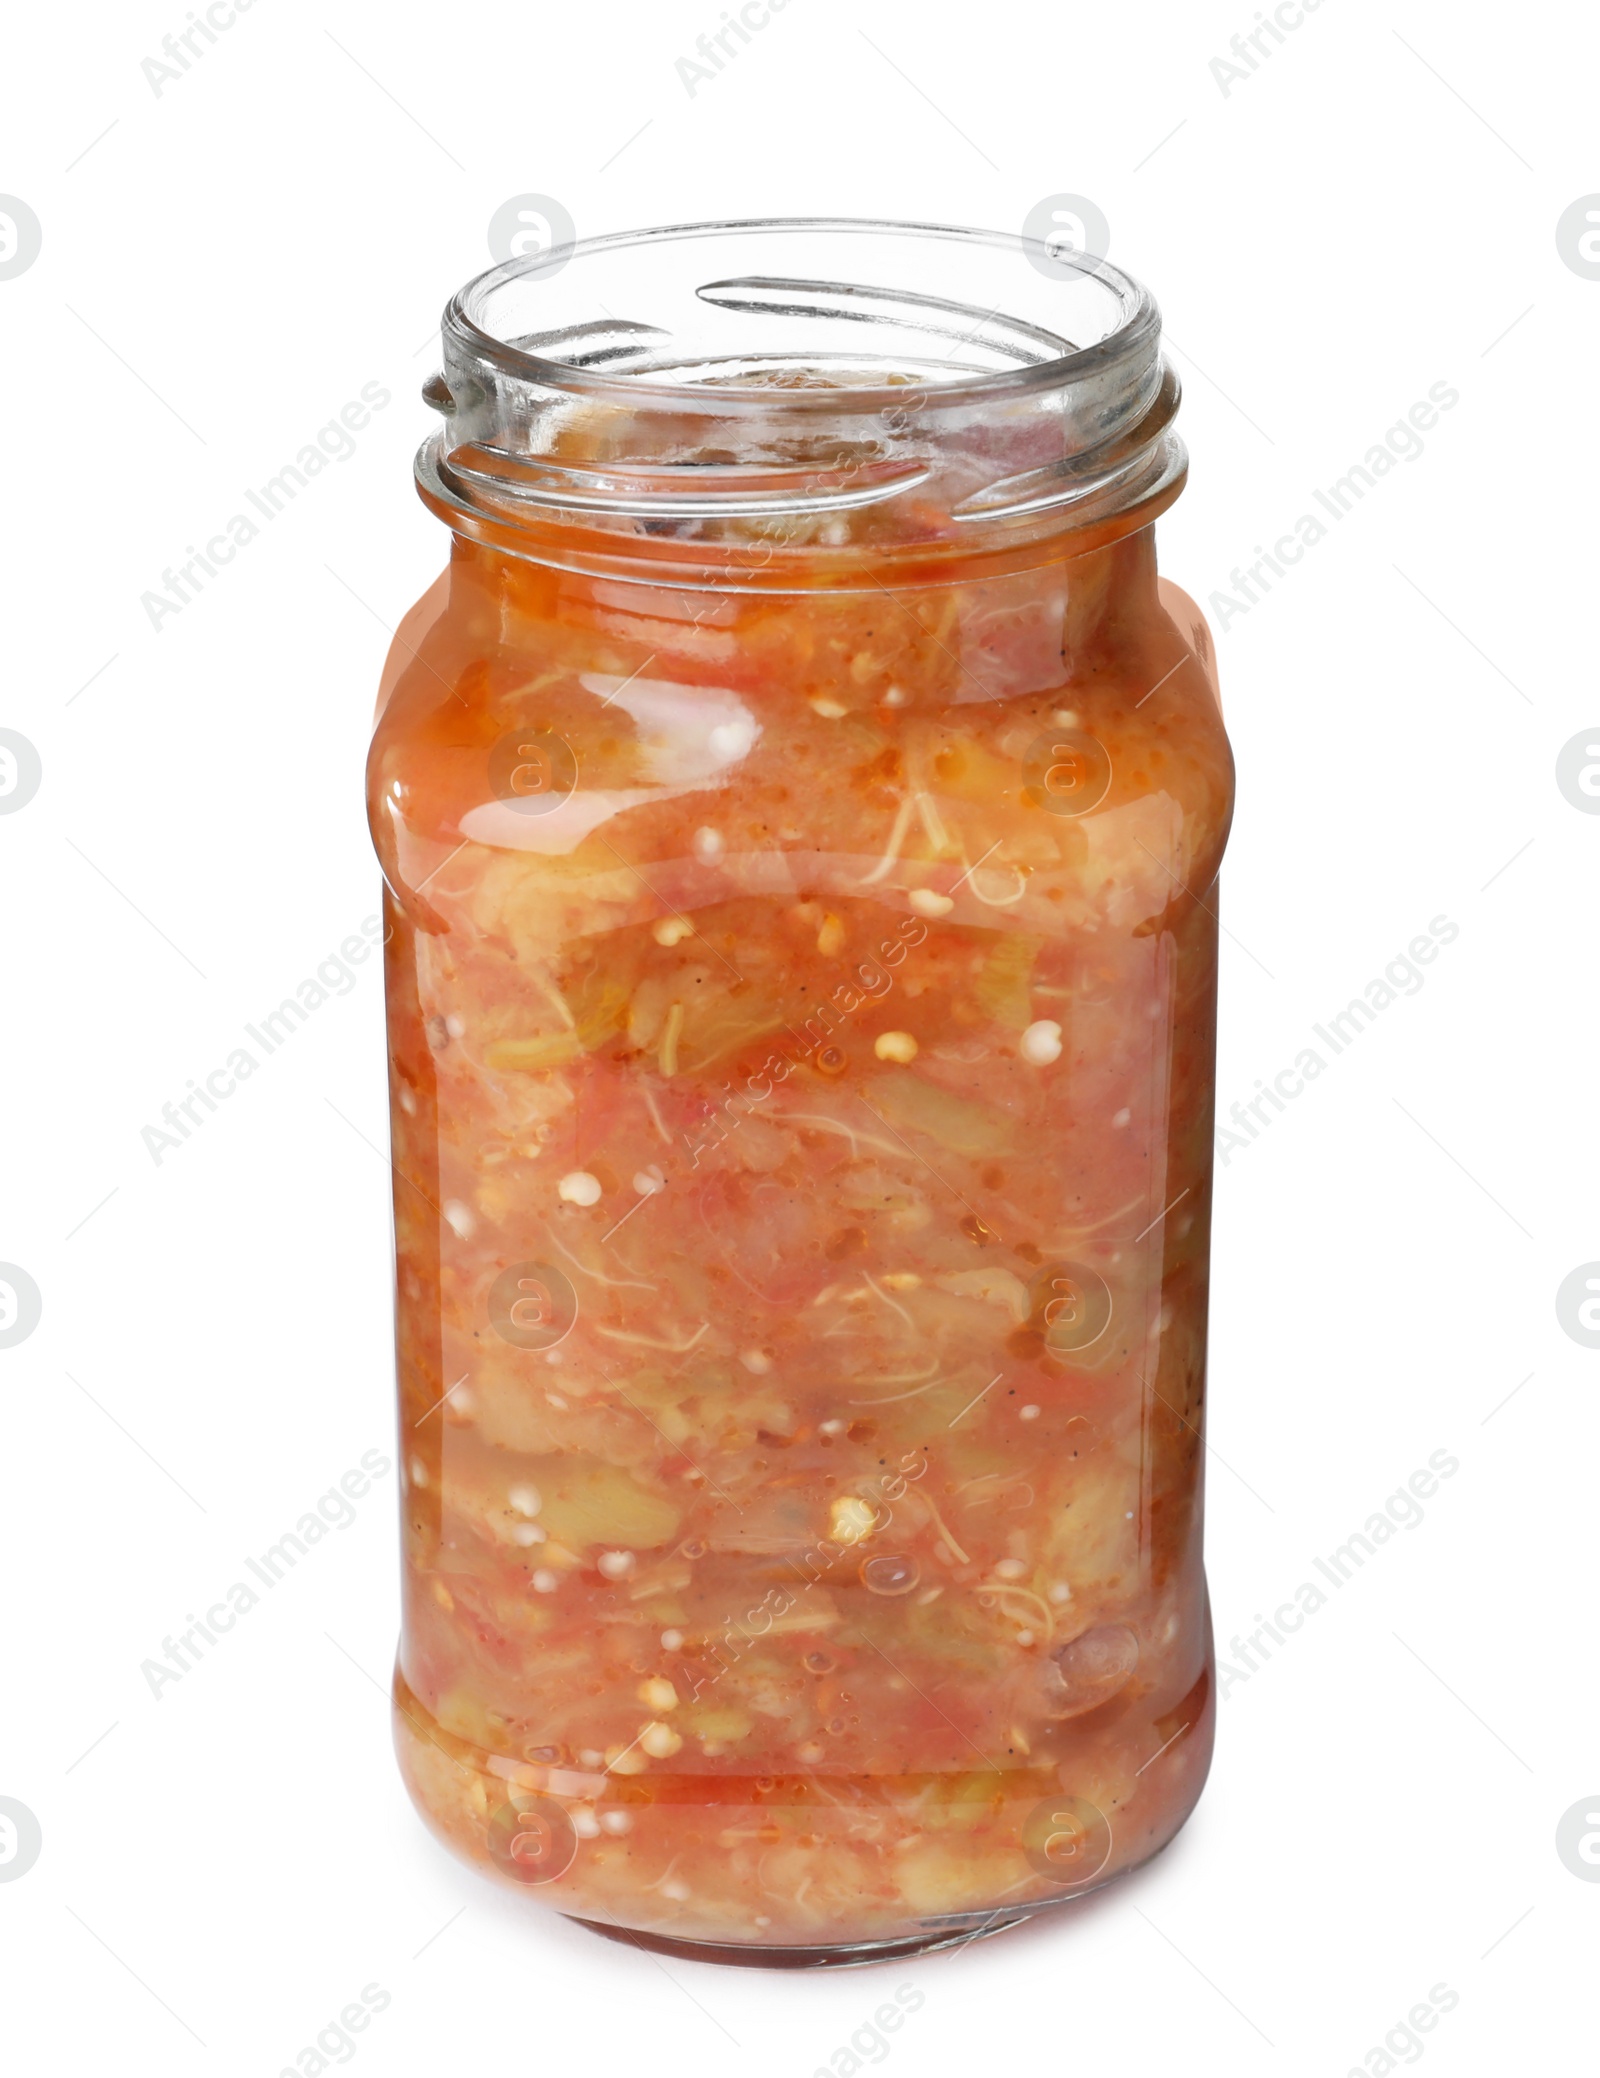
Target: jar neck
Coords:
[(788, 431)]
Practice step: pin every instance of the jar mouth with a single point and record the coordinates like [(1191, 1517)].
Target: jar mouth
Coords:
[(801, 387), (1077, 289)]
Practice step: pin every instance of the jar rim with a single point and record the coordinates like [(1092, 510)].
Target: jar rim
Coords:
[(1134, 338)]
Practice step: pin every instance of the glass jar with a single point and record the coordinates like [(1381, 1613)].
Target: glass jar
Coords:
[(800, 804)]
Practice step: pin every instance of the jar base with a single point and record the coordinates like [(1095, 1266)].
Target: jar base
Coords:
[(827, 1956), (461, 1791)]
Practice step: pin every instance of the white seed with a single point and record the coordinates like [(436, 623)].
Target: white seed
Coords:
[(419, 1472), (927, 901), (895, 1046), (830, 939), (584, 1822), (1041, 1043), (455, 1027), (672, 930), (1027, 1413), (462, 1218), (578, 1187), (1120, 1118), (1010, 1569), (615, 1565), (852, 1519), (707, 844), (896, 696), (756, 1360), (1065, 718), (526, 1533), (616, 1822), (671, 1641), (830, 710), (591, 1757), (1024, 1637), (545, 1582), (658, 1693), (830, 1428), (659, 1740), (1060, 1592), (525, 1499), (676, 1889), (648, 1181)]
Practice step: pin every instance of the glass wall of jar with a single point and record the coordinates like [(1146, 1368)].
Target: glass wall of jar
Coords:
[(800, 803)]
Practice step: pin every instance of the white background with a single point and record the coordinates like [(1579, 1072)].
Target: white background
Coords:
[(1370, 212)]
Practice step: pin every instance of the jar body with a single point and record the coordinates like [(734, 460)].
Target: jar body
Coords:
[(802, 1017)]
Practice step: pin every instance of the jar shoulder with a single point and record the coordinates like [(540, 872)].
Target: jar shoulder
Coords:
[(843, 707)]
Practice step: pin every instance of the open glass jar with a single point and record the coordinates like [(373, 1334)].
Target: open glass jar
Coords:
[(800, 804)]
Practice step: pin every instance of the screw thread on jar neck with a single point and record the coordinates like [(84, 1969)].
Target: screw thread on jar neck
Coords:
[(793, 406)]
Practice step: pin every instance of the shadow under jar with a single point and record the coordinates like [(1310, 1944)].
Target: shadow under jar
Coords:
[(800, 803)]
